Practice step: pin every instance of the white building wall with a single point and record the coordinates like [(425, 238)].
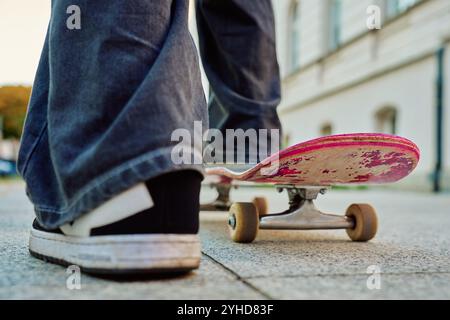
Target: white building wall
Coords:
[(353, 110), (311, 46), (353, 17), (312, 22), (397, 43), (395, 66)]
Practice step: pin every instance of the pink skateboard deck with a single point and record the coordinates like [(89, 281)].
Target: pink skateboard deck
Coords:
[(361, 158)]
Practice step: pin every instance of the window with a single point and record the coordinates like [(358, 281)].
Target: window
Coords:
[(294, 36), (335, 24), (396, 7), (326, 129), (386, 120)]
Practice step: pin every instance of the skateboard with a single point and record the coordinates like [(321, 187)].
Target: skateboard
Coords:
[(308, 169)]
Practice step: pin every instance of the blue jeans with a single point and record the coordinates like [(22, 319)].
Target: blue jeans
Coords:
[(107, 97)]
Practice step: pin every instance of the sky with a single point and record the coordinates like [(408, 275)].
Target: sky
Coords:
[(23, 25)]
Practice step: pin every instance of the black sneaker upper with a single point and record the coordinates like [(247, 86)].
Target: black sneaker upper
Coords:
[(37, 226), (176, 198)]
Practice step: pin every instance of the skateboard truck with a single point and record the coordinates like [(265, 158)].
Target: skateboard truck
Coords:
[(360, 220), (223, 202), (303, 214)]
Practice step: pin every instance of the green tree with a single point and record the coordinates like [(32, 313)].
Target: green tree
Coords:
[(13, 107)]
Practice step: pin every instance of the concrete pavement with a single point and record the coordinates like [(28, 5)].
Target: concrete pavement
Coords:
[(411, 251)]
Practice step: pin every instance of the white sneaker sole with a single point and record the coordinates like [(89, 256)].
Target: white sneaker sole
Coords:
[(118, 254)]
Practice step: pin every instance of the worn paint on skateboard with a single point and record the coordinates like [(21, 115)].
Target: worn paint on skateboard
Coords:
[(305, 170), (334, 160)]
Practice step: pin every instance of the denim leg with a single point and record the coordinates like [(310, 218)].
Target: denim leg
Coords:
[(237, 46), (105, 102)]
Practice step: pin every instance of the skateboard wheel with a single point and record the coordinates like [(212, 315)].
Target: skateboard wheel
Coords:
[(262, 205), (366, 222), (243, 222)]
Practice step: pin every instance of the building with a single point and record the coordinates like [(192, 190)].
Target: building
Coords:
[(339, 76)]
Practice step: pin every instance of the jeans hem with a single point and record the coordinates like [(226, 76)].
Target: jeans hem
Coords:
[(108, 185)]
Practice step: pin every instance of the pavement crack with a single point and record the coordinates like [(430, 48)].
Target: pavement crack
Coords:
[(350, 274), (239, 278)]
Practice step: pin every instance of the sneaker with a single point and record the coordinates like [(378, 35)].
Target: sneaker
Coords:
[(150, 228)]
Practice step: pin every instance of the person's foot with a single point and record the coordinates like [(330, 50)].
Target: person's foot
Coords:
[(156, 234)]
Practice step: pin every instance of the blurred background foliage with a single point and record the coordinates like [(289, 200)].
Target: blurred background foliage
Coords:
[(13, 106)]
